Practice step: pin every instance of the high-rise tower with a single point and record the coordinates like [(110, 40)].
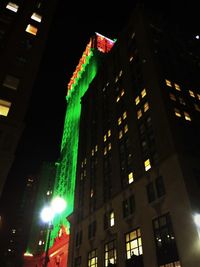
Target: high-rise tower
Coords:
[(78, 85), (138, 174)]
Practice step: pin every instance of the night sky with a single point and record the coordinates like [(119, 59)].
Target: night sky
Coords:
[(71, 29)]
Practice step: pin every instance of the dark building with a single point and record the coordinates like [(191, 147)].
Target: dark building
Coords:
[(138, 170), (27, 232), (37, 231), (24, 27), (17, 232)]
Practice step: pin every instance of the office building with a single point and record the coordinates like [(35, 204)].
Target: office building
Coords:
[(138, 176)]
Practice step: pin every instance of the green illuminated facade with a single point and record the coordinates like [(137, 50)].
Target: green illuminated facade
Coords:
[(66, 168)]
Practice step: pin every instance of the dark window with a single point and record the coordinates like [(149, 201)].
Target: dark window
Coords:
[(129, 206), (160, 187), (150, 192), (78, 262), (165, 240), (106, 221), (91, 230), (78, 238), (155, 189)]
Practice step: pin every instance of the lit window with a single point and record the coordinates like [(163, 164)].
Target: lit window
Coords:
[(122, 92), (143, 93), (191, 93), (187, 116), (85, 161), (120, 73), (139, 113), (133, 243), (172, 97), (31, 29), (96, 148), (168, 83), (92, 259), (109, 133), (36, 17), (110, 253), (92, 152), (118, 98), (105, 138), (147, 165), (11, 82), (119, 120), (130, 178), (120, 134), (40, 243), (116, 79), (12, 6), (91, 193), (137, 100), (105, 151), (177, 87), (109, 146), (177, 112), (146, 106), (112, 218), (172, 264), (198, 95), (131, 58), (124, 115), (4, 107), (126, 128)]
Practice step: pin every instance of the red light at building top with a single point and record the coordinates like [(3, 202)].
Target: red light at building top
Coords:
[(103, 44)]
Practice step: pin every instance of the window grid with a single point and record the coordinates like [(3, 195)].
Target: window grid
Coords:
[(92, 258), (110, 253), (134, 243)]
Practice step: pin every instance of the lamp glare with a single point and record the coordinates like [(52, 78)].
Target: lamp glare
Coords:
[(47, 214), (197, 219), (58, 204)]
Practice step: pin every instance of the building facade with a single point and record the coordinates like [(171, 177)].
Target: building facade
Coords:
[(24, 27), (138, 176)]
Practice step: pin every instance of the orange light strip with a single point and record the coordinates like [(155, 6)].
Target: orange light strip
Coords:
[(103, 44), (79, 66)]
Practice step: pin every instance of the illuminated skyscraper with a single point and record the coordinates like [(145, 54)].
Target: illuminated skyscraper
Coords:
[(78, 85)]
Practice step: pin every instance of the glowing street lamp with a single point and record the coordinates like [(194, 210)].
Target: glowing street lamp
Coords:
[(197, 220), (47, 214)]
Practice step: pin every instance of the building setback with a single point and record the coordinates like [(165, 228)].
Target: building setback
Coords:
[(138, 169), (24, 27)]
